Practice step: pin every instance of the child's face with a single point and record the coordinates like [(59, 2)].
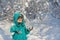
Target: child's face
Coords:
[(19, 20)]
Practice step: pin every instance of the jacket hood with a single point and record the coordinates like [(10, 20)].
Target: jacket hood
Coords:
[(15, 18)]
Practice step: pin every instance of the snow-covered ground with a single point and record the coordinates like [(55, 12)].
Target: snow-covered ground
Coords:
[(47, 29)]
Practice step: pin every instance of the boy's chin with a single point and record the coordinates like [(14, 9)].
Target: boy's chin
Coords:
[(19, 22)]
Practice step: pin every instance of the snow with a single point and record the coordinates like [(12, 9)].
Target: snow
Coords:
[(46, 28)]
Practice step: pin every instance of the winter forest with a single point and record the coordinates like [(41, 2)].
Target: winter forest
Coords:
[(42, 15)]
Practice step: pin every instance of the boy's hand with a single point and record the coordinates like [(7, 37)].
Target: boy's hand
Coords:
[(18, 32), (31, 28)]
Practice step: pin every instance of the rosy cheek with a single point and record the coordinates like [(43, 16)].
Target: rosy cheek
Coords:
[(20, 20)]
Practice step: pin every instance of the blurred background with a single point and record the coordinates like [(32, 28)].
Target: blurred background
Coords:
[(42, 15)]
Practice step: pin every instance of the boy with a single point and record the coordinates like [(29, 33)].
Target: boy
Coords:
[(19, 28)]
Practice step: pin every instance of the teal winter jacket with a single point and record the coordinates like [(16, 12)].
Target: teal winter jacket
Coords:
[(19, 27)]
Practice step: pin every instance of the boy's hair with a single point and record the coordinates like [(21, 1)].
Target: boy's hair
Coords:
[(21, 16)]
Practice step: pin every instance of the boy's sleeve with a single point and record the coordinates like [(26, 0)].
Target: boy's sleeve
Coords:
[(12, 29), (27, 31)]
